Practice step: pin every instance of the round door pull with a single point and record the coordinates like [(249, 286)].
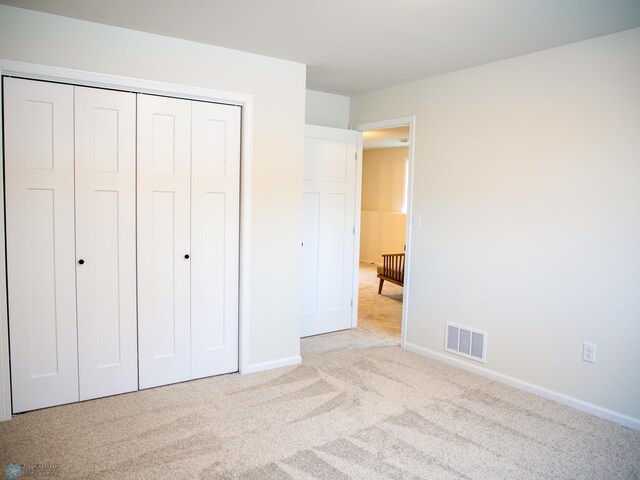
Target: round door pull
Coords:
[(81, 262), (186, 256)]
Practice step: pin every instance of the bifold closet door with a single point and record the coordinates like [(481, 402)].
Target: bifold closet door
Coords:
[(215, 214), (164, 157), (74, 267), (188, 239), (105, 166), (41, 265)]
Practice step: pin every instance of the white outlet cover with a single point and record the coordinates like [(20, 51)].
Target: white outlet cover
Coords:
[(589, 352)]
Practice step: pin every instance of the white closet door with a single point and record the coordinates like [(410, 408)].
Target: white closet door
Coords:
[(41, 265), (105, 140), (215, 212), (164, 156)]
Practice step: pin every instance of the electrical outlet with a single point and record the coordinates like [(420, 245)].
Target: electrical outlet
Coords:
[(589, 352)]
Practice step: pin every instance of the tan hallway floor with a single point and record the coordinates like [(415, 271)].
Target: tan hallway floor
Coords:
[(379, 313)]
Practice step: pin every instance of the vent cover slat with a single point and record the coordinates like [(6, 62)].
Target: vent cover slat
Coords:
[(452, 337), (465, 341), (477, 345)]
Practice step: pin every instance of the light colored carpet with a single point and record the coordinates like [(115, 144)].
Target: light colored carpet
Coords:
[(358, 407)]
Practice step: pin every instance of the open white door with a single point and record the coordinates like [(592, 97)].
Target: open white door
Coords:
[(328, 235)]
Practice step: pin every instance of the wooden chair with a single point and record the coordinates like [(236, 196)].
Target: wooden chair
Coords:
[(392, 269)]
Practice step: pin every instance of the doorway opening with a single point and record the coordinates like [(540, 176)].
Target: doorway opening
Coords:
[(334, 216), (384, 212)]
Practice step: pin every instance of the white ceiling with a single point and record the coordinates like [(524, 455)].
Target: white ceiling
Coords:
[(355, 46), (386, 138)]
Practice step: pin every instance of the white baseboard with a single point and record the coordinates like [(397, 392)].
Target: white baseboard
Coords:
[(270, 365), (576, 403), (371, 262)]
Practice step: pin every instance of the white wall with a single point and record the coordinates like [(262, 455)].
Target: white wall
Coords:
[(278, 89), (326, 109), (527, 177)]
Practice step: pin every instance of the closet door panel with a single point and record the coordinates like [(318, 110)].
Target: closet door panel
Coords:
[(164, 156), (215, 190), (40, 243), (105, 145)]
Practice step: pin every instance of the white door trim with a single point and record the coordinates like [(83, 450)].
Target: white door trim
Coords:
[(5, 378), (356, 236), (390, 123), (90, 79)]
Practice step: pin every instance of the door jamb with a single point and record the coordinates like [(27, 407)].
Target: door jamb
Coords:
[(356, 234), (117, 82), (378, 125)]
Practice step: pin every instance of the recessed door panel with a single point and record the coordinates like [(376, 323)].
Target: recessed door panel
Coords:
[(310, 230), (108, 128), (105, 146), (214, 227), (39, 154), (215, 153), (41, 294), (325, 160), (333, 258), (164, 250), (164, 281), (40, 239), (164, 143), (215, 213), (105, 295)]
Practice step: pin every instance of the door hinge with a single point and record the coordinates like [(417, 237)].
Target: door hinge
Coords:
[(356, 157), (352, 302), (354, 230)]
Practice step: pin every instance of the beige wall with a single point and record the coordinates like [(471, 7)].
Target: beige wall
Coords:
[(383, 179), (381, 232), (382, 227), (278, 89), (527, 180)]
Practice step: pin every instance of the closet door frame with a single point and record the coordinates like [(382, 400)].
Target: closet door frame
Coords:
[(90, 79)]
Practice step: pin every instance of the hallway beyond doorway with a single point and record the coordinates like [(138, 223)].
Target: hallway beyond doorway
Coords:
[(380, 314)]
